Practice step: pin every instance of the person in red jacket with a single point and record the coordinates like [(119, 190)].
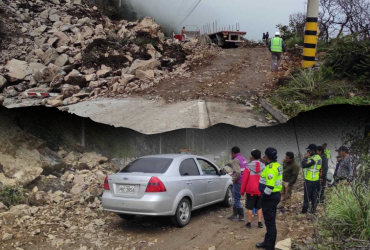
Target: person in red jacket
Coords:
[(250, 183)]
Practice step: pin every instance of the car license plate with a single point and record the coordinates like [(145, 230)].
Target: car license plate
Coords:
[(126, 189)]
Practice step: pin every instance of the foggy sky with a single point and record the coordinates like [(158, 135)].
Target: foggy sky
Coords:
[(255, 17)]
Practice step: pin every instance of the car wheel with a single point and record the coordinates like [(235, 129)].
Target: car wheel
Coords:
[(183, 214), (127, 216), (228, 201)]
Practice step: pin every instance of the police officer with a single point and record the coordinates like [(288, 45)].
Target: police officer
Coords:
[(311, 165), (271, 183)]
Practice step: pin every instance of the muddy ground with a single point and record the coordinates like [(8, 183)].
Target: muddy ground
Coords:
[(208, 228)]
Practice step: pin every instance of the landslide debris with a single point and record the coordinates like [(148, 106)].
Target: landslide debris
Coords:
[(73, 51)]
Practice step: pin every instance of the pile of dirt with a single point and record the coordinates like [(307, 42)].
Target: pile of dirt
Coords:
[(72, 50)]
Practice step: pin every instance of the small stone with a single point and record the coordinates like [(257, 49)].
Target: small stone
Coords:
[(7, 237)]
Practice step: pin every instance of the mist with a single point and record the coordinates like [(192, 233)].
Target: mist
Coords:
[(254, 17)]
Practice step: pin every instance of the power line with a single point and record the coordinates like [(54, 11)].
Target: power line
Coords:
[(189, 14), (182, 6)]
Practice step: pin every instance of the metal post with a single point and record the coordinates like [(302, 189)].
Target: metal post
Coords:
[(213, 28), (186, 137), (204, 131), (160, 144), (193, 139), (310, 38), (83, 133)]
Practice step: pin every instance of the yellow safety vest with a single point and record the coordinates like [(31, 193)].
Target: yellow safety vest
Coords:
[(272, 175), (313, 173), (277, 44)]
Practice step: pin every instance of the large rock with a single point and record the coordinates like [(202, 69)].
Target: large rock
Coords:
[(50, 56), (46, 183), (284, 244), (147, 74), (76, 78), (63, 38), (143, 65), (3, 83), (62, 60), (46, 75), (21, 70), (21, 154), (91, 160)]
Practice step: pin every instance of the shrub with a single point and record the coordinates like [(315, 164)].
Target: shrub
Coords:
[(348, 212), (350, 58), (292, 41), (11, 196)]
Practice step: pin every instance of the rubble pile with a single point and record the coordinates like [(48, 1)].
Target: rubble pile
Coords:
[(67, 48), (62, 207)]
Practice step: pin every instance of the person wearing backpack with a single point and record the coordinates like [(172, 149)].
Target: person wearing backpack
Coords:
[(250, 186)]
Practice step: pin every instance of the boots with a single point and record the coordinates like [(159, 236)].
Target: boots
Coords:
[(234, 215), (241, 214)]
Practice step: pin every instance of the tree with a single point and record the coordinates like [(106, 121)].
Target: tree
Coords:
[(285, 31), (297, 23)]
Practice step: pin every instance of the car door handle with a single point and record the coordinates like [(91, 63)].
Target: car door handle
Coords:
[(189, 183), (209, 181)]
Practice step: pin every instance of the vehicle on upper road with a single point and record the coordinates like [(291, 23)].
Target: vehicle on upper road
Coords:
[(227, 38), (166, 185)]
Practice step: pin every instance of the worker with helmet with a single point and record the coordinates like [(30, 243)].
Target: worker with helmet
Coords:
[(311, 165), (276, 47), (270, 185)]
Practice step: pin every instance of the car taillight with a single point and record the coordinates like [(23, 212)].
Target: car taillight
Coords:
[(155, 185), (106, 184)]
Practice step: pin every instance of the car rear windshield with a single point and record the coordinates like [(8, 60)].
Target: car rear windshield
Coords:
[(148, 165)]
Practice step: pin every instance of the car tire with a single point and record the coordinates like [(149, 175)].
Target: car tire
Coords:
[(127, 217), (228, 201), (183, 214)]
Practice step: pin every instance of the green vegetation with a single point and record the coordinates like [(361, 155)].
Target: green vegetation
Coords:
[(11, 196), (348, 213), (350, 58), (343, 78)]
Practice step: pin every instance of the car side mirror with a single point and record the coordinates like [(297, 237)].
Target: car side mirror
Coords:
[(222, 172)]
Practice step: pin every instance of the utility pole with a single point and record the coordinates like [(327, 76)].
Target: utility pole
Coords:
[(310, 38)]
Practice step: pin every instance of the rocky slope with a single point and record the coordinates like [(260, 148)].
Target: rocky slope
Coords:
[(71, 50)]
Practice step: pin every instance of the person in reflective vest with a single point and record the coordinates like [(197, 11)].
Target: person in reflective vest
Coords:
[(276, 47), (271, 183), (239, 164), (326, 151), (311, 165)]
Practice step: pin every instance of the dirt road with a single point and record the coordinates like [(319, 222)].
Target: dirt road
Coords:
[(83, 228), (232, 74)]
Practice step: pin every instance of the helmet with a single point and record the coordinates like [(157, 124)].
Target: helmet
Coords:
[(277, 33)]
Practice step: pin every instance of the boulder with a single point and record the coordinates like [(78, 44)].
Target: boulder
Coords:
[(63, 38), (7, 181), (148, 74), (102, 73), (54, 103), (38, 31), (284, 244), (91, 160), (46, 184), (86, 32), (62, 60), (91, 77), (71, 100), (143, 65), (50, 56), (46, 75), (76, 78), (21, 70), (3, 83), (126, 78)]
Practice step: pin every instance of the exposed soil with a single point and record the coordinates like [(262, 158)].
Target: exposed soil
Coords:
[(233, 74)]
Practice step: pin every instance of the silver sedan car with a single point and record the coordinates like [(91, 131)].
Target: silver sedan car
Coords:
[(166, 185)]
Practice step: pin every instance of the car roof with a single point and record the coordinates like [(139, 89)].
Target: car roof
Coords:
[(172, 156)]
